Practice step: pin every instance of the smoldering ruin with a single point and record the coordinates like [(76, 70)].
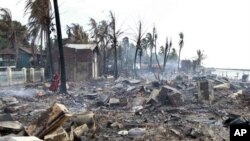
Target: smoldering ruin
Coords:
[(184, 108)]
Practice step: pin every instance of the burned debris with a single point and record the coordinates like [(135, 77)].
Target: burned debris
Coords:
[(198, 108)]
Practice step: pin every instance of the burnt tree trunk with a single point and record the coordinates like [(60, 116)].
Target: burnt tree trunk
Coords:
[(135, 58), (115, 67)]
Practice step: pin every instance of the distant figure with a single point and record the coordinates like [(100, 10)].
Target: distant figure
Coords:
[(54, 83)]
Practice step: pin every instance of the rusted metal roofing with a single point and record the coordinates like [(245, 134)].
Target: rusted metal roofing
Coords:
[(5, 51)]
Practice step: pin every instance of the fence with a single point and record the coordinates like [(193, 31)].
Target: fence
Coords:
[(10, 77)]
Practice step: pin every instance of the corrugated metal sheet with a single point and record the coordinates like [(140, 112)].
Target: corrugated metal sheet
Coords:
[(8, 51), (82, 46)]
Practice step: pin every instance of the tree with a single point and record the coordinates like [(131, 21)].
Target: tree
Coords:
[(127, 59), (181, 43), (173, 55), (162, 50), (77, 34), (40, 17), (200, 57), (138, 46), (60, 45), (156, 57), (166, 53), (150, 43), (113, 35), (12, 32), (94, 29), (6, 18), (99, 31)]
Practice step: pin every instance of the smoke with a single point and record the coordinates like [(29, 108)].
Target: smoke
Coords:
[(18, 91)]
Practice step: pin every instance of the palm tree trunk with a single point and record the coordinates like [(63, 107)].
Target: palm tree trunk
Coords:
[(41, 48), (151, 53), (104, 61), (136, 51), (179, 58), (165, 58), (157, 58), (60, 45), (115, 67), (140, 56), (140, 62), (49, 48)]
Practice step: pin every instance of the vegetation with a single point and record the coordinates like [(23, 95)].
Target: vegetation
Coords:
[(166, 53), (99, 32), (104, 34), (149, 40), (76, 34), (113, 35), (12, 33), (138, 46), (200, 57), (39, 24)]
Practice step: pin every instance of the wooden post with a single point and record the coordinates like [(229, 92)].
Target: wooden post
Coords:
[(95, 66), (9, 76), (24, 74), (205, 91), (42, 74), (32, 74)]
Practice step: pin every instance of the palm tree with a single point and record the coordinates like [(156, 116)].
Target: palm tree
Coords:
[(113, 35), (181, 45), (167, 52), (150, 43), (6, 17), (99, 31), (60, 45), (94, 29), (103, 40), (40, 17), (162, 50), (77, 34), (200, 57), (138, 46), (156, 57), (173, 55), (126, 47)]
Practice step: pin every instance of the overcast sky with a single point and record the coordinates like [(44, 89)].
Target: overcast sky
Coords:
[(219, 27)]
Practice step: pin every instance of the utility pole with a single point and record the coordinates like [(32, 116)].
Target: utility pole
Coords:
[(60, 45)]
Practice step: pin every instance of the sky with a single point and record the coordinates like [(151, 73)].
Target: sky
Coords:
[(221, 28)]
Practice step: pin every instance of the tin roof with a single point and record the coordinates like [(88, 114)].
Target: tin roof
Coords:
[(8, 51), (82, 46), (29, 50)]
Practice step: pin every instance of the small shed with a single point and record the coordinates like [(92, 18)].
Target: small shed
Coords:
[(81, 61), (26, 58)]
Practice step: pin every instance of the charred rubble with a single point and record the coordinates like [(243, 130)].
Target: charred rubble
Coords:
[(184, 108)]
